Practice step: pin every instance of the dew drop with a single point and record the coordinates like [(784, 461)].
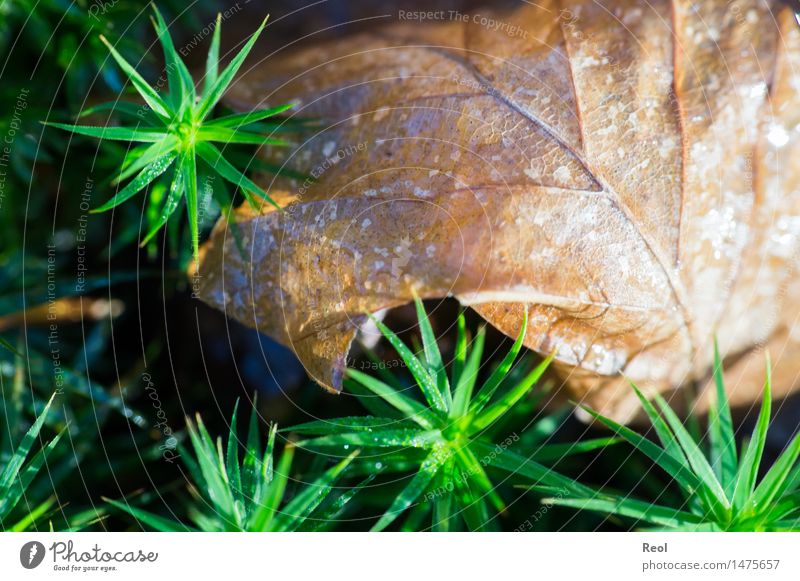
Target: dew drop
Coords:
[(777, 136)]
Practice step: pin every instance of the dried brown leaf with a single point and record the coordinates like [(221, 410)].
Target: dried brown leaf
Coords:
[(622, 168)]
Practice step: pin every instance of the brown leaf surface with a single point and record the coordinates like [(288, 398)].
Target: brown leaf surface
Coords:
[(622, 168)]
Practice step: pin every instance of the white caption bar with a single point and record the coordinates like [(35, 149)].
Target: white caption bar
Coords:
[(388, 556)]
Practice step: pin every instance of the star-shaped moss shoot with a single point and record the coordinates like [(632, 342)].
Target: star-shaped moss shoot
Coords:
[(176, 131), (451, 438)]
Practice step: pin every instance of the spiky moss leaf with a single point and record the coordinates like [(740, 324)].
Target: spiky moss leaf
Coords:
[(181, 128)]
